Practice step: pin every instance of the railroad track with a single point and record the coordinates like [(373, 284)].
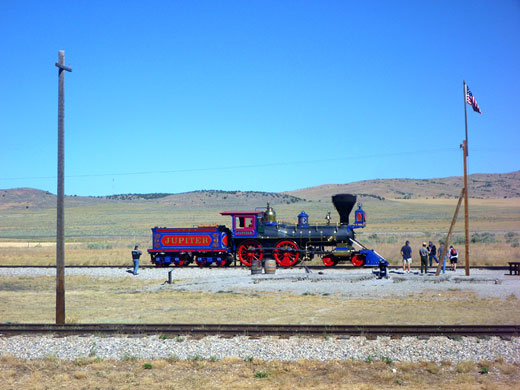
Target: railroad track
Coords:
[(252, 330), (312, 267)]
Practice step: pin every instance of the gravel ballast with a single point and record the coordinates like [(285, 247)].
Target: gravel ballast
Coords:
[(407, 349), (347, 283)]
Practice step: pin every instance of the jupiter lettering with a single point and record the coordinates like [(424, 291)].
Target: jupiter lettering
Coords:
[(186, 240)]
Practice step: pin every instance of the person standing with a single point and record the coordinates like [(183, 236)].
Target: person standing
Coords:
[(454, 258), (406, 252), (442, 256), (136, 254), (432, 253), (423, 252)]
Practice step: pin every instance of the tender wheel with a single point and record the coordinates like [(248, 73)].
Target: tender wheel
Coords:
[(158, 261), (184, 259), (229, 260), (286, 253), (358, 260), (222, 262), (248, 251), (329, 261)]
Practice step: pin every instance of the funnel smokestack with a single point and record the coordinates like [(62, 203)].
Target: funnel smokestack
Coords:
[(344, 204)]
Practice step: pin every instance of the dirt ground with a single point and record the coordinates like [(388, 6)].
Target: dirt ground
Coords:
[(93, 373)]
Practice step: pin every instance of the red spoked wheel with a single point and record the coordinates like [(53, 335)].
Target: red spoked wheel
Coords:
[(329, 261), (250, 250), (358, 260), (286, 253)]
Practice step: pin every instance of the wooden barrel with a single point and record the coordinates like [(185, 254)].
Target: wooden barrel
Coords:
[(270, 266), (256, 267)]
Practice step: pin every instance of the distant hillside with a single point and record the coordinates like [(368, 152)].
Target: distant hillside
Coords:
[(30, 198), (214, 198), (500, 185), (26, 198), (505, 185)]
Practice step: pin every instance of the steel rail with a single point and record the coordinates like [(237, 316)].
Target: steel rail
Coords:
[(312, 267), (257, 330)]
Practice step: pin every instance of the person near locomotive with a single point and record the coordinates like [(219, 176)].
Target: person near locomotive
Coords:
[(423, 253), (432, 253), (406, 252), (442, 255), (454, 258), (136, 254)]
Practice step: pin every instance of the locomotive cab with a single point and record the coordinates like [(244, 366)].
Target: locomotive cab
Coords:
[(245, 223)]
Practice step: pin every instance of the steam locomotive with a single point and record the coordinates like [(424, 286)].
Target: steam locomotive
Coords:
[(255, 235)]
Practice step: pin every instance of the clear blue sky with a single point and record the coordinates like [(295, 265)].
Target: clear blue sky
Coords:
[(174, 96)]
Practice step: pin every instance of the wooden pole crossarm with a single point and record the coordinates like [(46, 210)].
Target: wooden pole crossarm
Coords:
[(63, 67)]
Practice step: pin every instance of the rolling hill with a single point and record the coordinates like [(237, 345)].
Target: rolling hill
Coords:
[(483, 186)]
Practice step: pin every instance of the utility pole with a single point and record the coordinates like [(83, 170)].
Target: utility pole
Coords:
[(60, 230)]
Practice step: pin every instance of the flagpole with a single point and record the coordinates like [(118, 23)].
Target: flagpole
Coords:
[(466, 212)]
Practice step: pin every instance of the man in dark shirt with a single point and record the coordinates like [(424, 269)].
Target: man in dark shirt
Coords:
[(136, 254), (432, 253), (406, 252)]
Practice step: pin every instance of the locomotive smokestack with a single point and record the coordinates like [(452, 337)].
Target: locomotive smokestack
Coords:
[(344, 204)]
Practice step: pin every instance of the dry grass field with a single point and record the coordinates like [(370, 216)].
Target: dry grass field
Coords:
[(169, 374), (104, 233), (130, 300)]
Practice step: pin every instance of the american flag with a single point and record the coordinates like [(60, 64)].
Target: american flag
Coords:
[(470, 99)]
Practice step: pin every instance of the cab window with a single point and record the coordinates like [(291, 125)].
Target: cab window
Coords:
[(243, 222)]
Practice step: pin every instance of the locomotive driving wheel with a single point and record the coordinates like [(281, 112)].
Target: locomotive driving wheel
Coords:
[(358, 260), (286, 253), (329, 261), (248, 251)]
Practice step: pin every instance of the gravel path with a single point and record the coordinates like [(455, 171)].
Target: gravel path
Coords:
[(349, 283)]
